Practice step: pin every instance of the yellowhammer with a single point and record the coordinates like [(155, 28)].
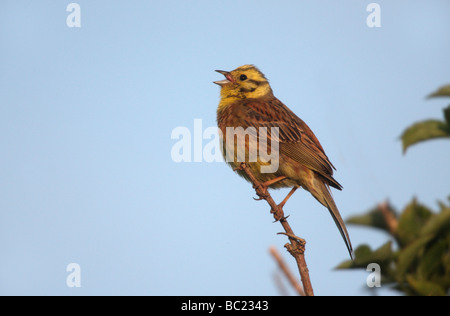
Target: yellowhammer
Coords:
[(249, 109)]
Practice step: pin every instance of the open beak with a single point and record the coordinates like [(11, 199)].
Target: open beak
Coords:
[(228, 77)]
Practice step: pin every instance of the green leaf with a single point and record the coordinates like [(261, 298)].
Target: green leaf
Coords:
[(364, 255), (442, 280), (447, 115), (426, 288), (407, 256), (347, 264), (443, 91), (437, 224), (446, 260), (442, 205), (432, 259), (411, 221), (373, 218), (363, 251), (425, 130)]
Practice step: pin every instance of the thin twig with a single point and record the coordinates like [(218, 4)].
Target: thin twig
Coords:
[(389, 217), (296, 247), (279, 283), (287, 272)]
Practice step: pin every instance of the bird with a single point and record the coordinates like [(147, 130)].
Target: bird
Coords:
[(247, 101)]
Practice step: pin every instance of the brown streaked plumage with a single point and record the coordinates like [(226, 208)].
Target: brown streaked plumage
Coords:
[(247, 101)]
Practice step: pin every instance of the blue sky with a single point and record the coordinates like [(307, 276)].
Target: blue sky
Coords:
[(86, 116)]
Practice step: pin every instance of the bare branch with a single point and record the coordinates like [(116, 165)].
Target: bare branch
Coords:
[(287, 272), (389, 217), (296, 247)]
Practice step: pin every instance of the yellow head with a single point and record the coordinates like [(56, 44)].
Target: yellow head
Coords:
[(244, 82)]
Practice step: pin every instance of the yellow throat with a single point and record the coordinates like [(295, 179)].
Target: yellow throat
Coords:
[(245, 82)]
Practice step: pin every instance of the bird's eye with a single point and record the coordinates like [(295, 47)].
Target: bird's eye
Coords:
[(243, 77)]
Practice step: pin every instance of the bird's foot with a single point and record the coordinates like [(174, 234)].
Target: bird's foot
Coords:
[(261, 191), (301, 241), (296, 246), (241, 167), (261, 188)]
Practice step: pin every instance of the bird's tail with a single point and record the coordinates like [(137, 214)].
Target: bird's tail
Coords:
[(321, 192)]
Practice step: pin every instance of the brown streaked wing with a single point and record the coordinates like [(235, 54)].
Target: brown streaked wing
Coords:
[(297, 141)]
